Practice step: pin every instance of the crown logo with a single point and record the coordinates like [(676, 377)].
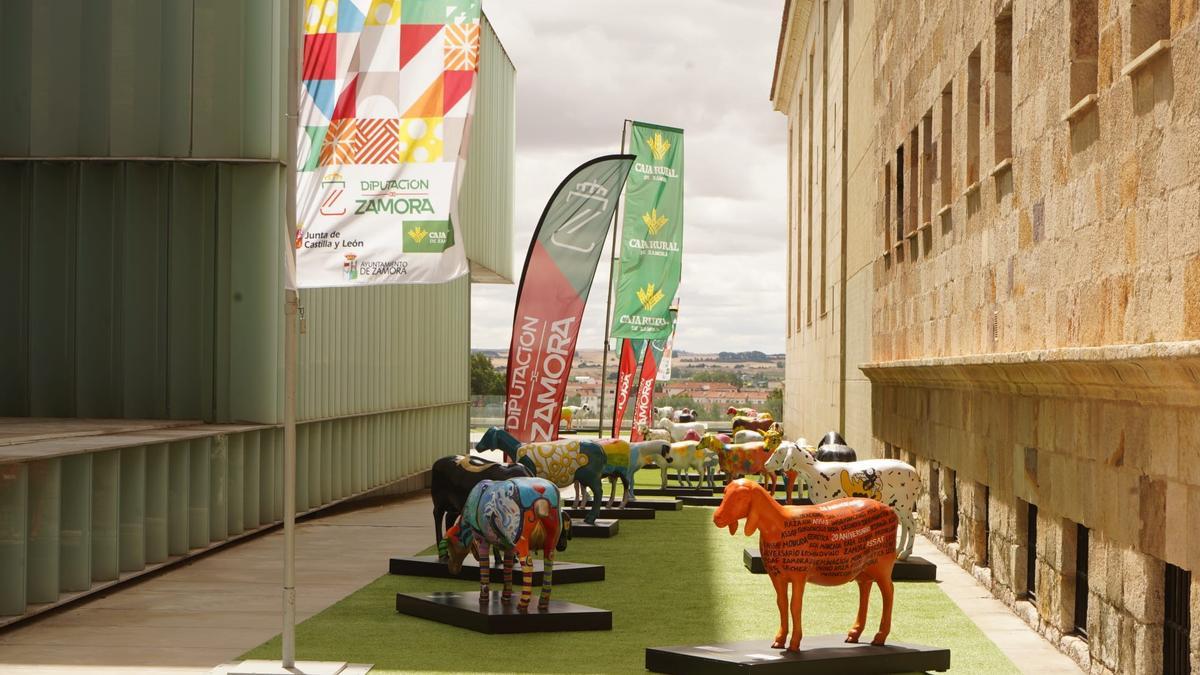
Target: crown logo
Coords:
[(653, 221), (658, 146), (417, 234), (649, 297)]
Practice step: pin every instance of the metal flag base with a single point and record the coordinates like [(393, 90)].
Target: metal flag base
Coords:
[(262, 667)]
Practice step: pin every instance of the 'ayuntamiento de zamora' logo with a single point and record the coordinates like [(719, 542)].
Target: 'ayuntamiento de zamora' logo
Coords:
[(417, 234), (649, 297), (653, 221), (658, 146)]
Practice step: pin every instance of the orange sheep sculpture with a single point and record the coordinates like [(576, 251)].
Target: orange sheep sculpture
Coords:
[(829, 544)]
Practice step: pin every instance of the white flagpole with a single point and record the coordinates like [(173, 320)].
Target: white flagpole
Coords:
[(290, 343)]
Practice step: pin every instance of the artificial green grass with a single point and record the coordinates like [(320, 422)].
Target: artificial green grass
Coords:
[(669, 581)]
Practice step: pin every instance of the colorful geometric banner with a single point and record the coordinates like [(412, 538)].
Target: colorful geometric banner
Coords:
[(631, 353), (643, 406), (553, 292), (385, 107), (652, 234)]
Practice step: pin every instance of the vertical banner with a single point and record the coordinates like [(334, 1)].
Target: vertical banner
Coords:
[(631, 351), (664, 368), (651, 235), (643, 406), (554, 289), (385, 107)]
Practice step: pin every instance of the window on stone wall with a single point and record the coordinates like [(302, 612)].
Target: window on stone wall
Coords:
[(797, 156), (1149, 22), (973, 86), (914, 177), (935, 497), (1031, 512), (1079, 622), (810, 185), (984, 557), (950, 507), (900, 194), (946, 145), (1085, 47), (1002, 85), (887, 206), (791, 252), (1177, 623), (927, 167)]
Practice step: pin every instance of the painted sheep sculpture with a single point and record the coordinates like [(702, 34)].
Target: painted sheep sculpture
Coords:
[(517, 516), (653, 433), (759, 424), (570, 412), (890, 481), (829, 545), (747, 436), (679, 429), (738, 460), (624, 460), (562, 462), (452, 480)]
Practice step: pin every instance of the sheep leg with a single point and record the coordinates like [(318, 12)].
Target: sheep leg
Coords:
[(864, 597), (797, 610), (439, 514), (485, 570), (627, 492), (547, 579), (612, 491), (886, 589), (781, 601), (509, 558), (526, 582)]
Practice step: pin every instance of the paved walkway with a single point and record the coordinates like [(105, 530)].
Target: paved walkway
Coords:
[(1028, 650), (198, 616)]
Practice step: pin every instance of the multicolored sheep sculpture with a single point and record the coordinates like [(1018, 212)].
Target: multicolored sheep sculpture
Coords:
[(517, 515)]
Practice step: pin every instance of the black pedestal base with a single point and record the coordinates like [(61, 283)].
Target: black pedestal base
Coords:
[(715, 500), (602, 529), (463, 610), (673, 491), (819, 654), (915, 568), (428, 566), (618, 514), (656, 504)]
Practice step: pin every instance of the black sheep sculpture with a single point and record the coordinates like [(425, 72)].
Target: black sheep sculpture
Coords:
[(453, 478), (833, 448)]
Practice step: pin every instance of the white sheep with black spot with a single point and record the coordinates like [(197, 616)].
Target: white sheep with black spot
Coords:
[(886, 480)]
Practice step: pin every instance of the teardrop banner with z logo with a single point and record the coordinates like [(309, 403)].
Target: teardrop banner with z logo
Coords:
[(554, 289), (651, 235)]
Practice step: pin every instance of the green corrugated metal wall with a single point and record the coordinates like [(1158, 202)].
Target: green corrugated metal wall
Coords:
[(487, 201), (146, 290), (142, 78), (142, 287)]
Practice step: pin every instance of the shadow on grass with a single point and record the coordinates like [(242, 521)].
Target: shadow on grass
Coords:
[(670, 581)]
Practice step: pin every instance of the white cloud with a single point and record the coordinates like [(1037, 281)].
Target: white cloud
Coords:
[(703, 65)]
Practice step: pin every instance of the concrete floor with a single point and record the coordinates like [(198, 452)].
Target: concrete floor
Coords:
[(200, 615), (196, 617)]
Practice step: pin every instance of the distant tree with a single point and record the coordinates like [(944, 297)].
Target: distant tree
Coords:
[(775, 403), (726, 376), (485, 379)]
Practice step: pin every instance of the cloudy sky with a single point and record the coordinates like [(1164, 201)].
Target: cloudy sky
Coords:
[(703, 65)]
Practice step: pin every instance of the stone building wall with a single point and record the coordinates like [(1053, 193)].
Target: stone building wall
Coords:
[(1031, 330)]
